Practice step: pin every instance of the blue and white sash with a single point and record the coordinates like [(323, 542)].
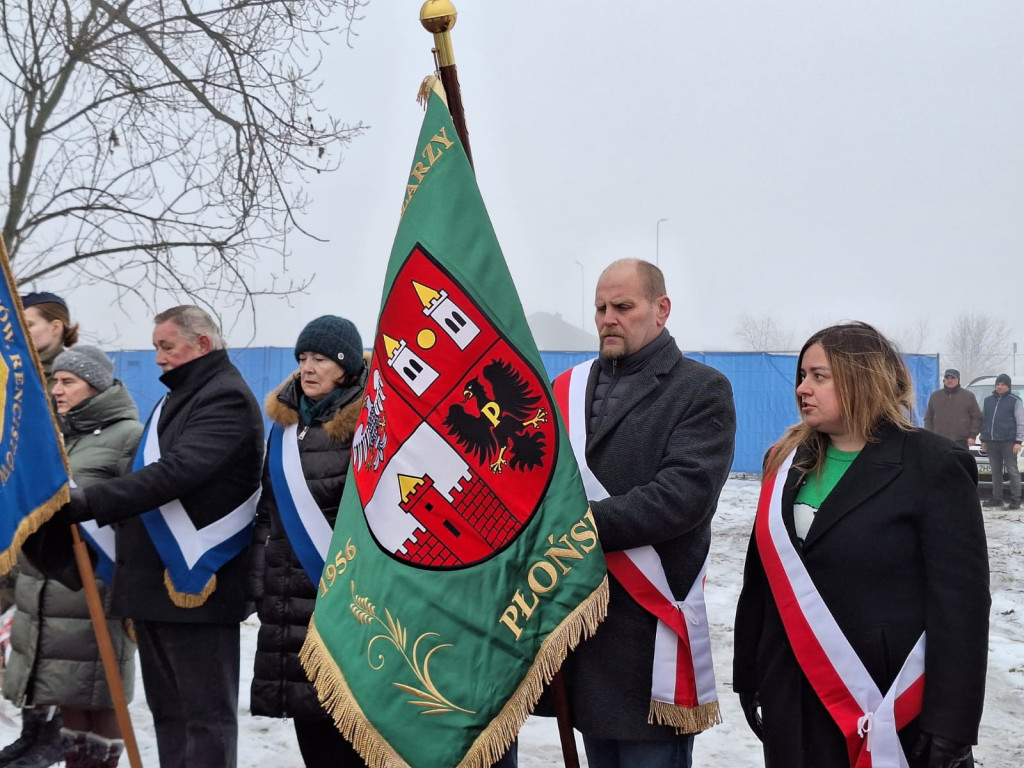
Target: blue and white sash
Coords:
[(191, 556), (102, 541), (308, 531)]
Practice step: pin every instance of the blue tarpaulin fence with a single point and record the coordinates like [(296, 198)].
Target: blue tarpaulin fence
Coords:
[(762, 385)]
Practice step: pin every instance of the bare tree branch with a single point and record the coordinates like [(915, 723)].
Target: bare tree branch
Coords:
[(763, 334), (159, 145), (977, 345)]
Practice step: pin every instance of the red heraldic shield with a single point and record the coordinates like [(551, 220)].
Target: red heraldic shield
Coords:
[(455, 444)]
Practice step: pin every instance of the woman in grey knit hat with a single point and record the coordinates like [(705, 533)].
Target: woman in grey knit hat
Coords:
[(55, 659)]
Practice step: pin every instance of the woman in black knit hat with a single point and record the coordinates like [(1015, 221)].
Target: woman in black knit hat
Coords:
[(314, 414)]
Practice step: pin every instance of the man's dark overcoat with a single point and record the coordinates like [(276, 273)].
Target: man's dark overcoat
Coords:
[(663, 454), (211, 444)]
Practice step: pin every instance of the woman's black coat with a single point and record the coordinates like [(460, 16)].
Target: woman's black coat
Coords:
[(897, 548), (283, 592)]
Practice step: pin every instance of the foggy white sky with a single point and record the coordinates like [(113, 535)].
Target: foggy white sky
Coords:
[(815, 160)]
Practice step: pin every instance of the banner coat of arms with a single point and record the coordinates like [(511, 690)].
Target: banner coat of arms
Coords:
[(464, 563)]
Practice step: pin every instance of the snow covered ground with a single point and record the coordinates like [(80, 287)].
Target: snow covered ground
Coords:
[(268, 742)]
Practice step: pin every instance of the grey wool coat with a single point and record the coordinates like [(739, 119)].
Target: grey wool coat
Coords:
[(54, 657), (663, 453)]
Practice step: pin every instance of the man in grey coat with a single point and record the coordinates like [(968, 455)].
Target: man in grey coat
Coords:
[(660, 436)]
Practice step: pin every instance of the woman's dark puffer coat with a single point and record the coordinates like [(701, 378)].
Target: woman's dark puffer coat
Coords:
[(283, 593)]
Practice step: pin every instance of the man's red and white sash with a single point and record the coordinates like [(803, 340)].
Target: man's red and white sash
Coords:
[(869, 720), (683, 692)]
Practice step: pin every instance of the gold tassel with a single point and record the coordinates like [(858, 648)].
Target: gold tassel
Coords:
[(685, 719), (430, 83), (495, 739), (187, 599)]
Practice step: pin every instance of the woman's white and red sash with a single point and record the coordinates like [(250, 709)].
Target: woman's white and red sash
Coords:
[(683, 692), (869, 720)]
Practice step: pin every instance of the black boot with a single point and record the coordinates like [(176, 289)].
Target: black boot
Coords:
[(48, 748), (31, 721)]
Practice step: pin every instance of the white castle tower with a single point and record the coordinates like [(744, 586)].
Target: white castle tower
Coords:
[(439, 307), (411, 367)]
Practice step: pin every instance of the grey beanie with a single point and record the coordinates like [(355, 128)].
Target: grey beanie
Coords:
[(90, 364), (335, 338)]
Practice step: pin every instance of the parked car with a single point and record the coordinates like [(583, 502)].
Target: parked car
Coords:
[(982, 387)]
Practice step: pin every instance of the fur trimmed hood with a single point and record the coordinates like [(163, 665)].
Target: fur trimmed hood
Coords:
[(282, 406)]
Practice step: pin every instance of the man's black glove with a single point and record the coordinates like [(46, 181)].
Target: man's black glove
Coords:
[(77, 510), (751, 706), (943, 752)]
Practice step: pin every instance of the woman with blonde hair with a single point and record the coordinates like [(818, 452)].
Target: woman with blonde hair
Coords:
[(862, 627)]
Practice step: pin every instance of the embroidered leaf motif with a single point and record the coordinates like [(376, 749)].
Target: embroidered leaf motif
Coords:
[(427, 695)]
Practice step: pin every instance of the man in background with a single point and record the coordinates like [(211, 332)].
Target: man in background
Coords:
[(953, 412), (1002, 432)]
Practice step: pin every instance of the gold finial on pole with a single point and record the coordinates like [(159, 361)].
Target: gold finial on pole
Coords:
[(438, 17)]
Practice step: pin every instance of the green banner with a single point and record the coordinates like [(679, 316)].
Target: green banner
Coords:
[(465, 562)]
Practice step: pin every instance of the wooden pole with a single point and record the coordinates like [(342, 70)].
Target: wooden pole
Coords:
[(106, 646), (560, 694), (438, 17)]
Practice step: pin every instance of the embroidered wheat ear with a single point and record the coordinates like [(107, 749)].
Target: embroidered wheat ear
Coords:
[(428, 698), (362, 608)]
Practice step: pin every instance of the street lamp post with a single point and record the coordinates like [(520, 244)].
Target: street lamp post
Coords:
[(657, 242), (583, 299)]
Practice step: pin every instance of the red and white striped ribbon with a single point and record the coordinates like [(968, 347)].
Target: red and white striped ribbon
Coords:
[(683, 674), (870, 722)]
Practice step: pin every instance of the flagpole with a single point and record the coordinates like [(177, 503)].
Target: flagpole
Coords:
[(438, 17), (106, 647)]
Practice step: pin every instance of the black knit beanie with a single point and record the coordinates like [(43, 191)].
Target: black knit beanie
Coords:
[(335, 338)]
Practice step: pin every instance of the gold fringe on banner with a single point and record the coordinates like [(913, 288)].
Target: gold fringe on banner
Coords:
[(685, 719), (30, 524), (495, 739), (187, 599)]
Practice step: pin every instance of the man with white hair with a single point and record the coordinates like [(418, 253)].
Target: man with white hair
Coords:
[(183, 519)]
